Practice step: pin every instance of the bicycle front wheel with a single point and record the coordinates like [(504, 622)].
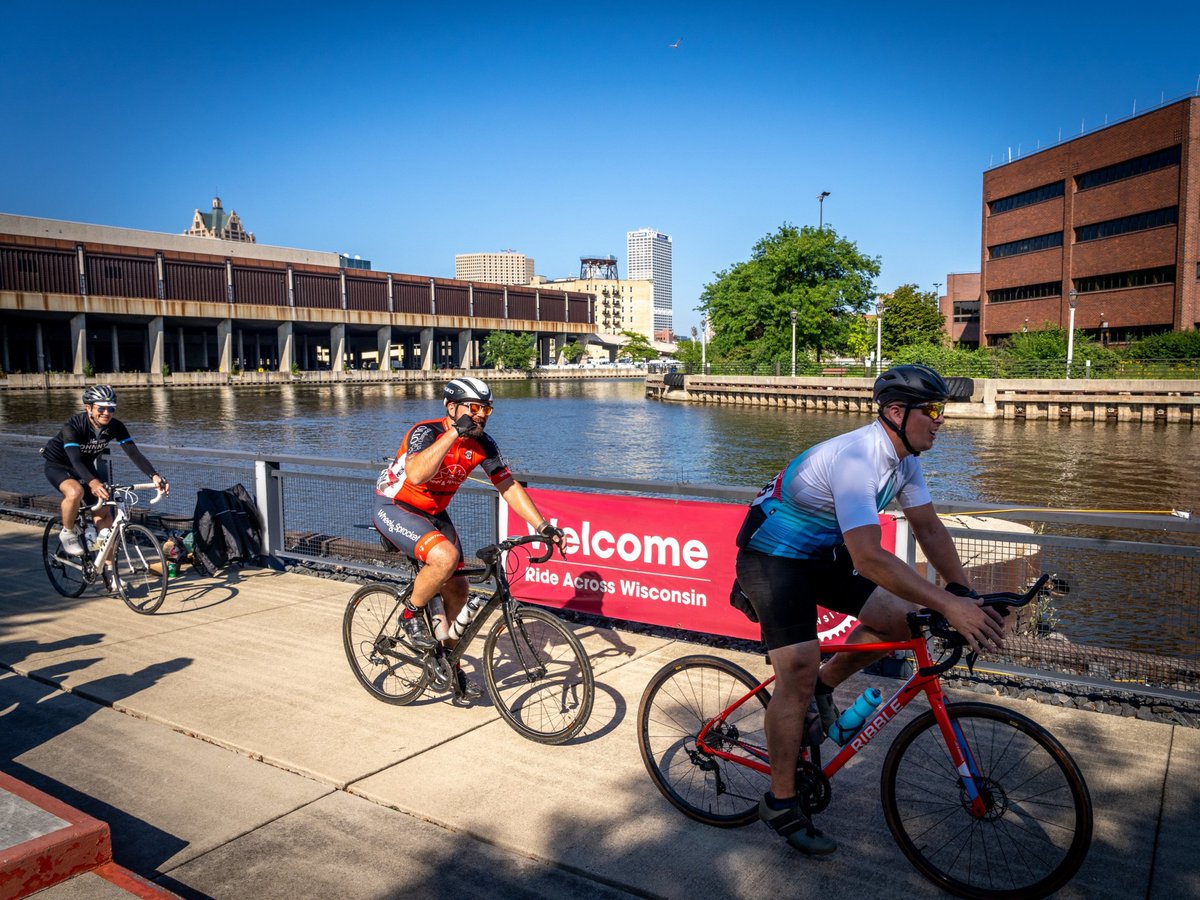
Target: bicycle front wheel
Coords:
[(539, 676), (371, 639), (141, 569), (65, 571), (1037, 826), (681, 699)]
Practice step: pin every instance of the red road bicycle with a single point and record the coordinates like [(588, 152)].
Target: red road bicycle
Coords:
[(983, 801)]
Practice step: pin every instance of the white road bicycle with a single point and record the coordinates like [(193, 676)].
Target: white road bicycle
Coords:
[(131, 553)]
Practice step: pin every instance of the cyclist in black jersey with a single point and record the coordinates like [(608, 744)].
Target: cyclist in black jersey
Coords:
[(71, 461)]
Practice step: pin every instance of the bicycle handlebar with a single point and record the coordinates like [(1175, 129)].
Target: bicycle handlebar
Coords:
[(114, 488), (491, 553), (939, 627)]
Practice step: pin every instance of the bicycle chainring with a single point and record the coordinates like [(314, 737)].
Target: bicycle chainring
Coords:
[(439, 671), (812, 788)]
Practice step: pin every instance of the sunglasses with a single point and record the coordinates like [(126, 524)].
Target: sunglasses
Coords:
[(106, 409), (933, 410), (478, 409)]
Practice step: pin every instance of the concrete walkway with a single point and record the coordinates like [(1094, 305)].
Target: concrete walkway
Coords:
[(228, 746)]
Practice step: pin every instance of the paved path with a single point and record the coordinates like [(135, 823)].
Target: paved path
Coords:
[(233, 754)]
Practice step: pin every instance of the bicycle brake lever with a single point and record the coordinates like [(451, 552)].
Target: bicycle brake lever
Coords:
[(971, 659)]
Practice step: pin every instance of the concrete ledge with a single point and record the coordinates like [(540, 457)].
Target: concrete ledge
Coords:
[(50, 841)]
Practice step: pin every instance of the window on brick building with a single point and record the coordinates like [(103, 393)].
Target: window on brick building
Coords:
[(1026, 292), (1156, 218), (1027, 198), (966, 310), (1026, 245), (1112, 281), (1139, 165)]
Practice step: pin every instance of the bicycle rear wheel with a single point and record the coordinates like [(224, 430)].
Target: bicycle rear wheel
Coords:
[(141, 569), (539, 676), (683, 697), (1038, 825), (65, 571), (377, 656)]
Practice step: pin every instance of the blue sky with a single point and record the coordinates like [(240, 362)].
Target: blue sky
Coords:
[(406, 135)]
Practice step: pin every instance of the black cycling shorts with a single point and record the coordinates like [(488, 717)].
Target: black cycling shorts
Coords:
[(56, 474), (786, 592), (413, 532)]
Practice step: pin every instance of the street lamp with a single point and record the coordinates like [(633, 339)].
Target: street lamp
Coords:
[(878, 337), (821, 209), (704, 346), (793, 315), (1072, 299)]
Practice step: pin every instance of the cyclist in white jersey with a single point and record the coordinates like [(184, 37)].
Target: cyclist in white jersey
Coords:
[(812, 537)]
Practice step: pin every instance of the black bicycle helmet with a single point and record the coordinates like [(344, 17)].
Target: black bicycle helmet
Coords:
[(99, 393), (910, 384), (465, 390)]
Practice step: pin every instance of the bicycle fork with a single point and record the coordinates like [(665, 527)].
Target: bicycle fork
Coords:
[(977, 797)]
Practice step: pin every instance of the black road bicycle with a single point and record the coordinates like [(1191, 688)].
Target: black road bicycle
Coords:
[(536, 671)]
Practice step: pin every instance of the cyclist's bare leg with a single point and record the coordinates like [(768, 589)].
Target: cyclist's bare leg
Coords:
[(882, 619), (72, 492), (796, 668), (454, 597), (441, 562)]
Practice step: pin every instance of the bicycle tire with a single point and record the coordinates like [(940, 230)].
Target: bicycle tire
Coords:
[(66, 576), (369, 624), (539, 677), (1038, 830), (683, 697), (141, 569)]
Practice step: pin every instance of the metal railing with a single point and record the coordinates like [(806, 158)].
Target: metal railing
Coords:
[(983, 367), (1123, 606)]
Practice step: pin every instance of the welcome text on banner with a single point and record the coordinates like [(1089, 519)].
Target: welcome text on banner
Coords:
[(660, 562)]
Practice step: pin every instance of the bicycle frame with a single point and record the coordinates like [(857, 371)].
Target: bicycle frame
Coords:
[(920, 682)]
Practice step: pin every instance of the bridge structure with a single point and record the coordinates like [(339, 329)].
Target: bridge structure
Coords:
[(76, 296)]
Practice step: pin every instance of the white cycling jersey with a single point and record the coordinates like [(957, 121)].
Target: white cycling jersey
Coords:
[(832, 487)]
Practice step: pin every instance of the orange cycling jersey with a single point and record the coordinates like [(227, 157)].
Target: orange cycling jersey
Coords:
[(435, 494)]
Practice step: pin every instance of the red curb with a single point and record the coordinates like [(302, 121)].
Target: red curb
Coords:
[(133, 883), (82, 845)]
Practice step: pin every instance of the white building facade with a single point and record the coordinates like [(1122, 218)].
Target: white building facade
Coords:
[(649, 259), (497, 268)]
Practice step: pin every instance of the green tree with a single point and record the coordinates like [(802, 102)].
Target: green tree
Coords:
[(860, 336), (911, 316), (508, 350), (637, 346), (572, 351), (1168, 345), (689, 352), (817, 273)]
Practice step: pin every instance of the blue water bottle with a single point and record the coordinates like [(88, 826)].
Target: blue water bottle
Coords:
[(849, 722)]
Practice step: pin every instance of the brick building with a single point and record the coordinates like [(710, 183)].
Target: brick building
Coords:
[(960, 308), (1113, 216)]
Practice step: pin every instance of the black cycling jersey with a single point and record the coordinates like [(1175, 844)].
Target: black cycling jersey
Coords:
[(79, 442)]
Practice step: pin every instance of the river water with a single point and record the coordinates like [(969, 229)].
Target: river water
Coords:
[(606, 428)]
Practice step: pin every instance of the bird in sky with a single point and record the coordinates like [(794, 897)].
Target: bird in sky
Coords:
[(675, 46)]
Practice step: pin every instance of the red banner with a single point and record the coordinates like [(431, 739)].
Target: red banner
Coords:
[(661, 562)]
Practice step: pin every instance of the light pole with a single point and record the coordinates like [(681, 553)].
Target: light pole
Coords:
[(704, 346), (821, 210), (878, 337), (793, 315), (1072, 299)]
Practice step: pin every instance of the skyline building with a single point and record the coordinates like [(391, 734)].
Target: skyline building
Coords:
[(224, 226), (649, 259), (507, 267)]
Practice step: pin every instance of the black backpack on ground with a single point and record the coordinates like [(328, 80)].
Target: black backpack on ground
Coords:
[(226, 529)]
